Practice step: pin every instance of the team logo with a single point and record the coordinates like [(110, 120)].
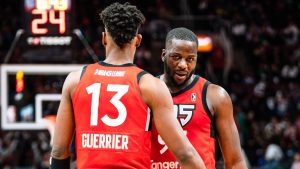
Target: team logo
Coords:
[(193, 97)]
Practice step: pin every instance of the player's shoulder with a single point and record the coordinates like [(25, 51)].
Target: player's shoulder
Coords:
[(150, 82), (148, 78), (212, 88), (76, 74), (217, 95), (217, 90), (216, 98), (73, 79), (153, 90)]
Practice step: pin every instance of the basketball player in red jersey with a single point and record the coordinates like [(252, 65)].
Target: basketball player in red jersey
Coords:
[(204, 110), (107, 105)]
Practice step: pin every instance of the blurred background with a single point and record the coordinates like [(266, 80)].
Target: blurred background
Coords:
[(249, 47)]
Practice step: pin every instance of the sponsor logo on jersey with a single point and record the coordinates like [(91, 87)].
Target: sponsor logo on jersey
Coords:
[(109, 73), (165, 165)]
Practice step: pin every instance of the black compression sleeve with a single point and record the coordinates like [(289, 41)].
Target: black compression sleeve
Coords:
[(59, 164)]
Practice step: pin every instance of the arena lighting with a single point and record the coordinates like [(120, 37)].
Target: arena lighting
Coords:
[(205, 43)]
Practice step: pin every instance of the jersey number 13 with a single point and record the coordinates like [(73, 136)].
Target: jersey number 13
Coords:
[(121, 90)]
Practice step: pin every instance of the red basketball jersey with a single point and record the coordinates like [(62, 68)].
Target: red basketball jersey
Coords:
[(194, 116), (111, 118)]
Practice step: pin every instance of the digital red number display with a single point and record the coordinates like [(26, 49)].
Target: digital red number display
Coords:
[(47, 17)]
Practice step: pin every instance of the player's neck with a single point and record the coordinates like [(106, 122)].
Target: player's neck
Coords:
[(118, 56), (173, 87)]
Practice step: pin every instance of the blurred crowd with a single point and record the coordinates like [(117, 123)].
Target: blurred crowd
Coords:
[(262, 78)]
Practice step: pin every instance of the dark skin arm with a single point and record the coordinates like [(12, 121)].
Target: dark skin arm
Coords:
[(65, 125), (158, 98), (220, 105)]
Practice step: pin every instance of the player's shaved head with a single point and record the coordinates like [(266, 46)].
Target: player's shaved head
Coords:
[(182, 34)]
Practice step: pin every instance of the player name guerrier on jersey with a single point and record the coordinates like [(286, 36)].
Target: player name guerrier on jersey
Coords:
[(104, 141)]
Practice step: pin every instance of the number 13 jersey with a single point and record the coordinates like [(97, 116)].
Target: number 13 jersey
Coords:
[(111, 118), (193, 114)]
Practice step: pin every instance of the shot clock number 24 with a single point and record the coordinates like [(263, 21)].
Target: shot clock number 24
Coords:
[(48, 17)]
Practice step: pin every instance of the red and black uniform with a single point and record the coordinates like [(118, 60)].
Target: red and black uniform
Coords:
[(197, 121), (111, 118)]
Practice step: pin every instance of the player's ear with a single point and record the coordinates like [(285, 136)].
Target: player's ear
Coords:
[(163, 55), (138, 40), (104, 39)]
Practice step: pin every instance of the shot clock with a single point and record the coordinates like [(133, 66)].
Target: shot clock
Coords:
[(48, 22)]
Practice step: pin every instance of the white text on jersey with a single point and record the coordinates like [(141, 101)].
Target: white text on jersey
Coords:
[(109, 73), (165, 165), (105, 141)]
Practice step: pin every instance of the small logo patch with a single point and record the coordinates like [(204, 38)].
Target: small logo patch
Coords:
[(193, 97)]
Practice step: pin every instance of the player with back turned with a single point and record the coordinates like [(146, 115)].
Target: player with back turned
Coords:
[(107, 105), (203, 109)]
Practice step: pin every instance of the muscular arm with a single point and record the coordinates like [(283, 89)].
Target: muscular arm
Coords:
[(64, 127), (221, 105), (158, 98)]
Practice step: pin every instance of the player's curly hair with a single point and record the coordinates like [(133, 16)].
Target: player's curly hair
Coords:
[(122, 21), (182, 34)]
